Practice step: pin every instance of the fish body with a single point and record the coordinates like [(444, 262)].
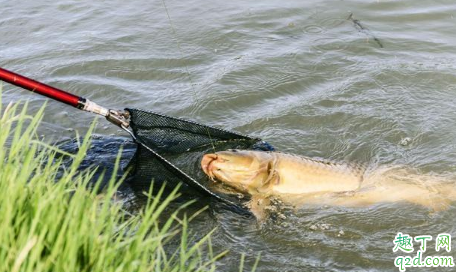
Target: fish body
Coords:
[(279, 173), (301, 175), (300, 180)]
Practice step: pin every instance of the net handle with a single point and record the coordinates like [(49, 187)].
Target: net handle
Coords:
[(41, 88), (116, 117)]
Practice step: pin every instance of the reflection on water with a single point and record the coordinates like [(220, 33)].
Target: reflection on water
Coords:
[(295, 73)]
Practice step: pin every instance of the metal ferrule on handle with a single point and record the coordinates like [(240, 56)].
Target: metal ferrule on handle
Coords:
[(118, 118)]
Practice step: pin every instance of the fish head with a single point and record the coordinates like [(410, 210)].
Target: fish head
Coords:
[(244, 170)]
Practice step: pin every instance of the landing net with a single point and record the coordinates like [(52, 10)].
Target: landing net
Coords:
[(170, 150)]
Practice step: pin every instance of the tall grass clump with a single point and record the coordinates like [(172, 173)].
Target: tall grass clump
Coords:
[(52, 220)]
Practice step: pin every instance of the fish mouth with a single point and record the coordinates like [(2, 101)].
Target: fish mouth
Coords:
[(206, 164)]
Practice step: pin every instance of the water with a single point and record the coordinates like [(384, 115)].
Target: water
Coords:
[(295, 73)]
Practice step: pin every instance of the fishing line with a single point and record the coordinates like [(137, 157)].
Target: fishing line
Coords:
[(195, 98), (180, 51)]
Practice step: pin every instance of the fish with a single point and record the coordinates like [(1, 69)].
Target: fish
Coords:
[(279, 173), (301, 180)]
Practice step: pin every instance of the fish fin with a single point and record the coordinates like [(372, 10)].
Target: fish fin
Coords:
[(257, 205), (273, 177), (263, 185)]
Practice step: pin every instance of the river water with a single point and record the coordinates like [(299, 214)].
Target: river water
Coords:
[(377, 87)]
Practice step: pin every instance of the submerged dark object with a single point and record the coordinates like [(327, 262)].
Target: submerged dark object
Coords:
[(365, 30), (168, 148)]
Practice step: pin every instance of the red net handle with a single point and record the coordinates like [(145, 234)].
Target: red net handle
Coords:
[(43, 89)]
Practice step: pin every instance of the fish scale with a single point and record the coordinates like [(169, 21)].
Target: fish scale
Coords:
[(301, 175)]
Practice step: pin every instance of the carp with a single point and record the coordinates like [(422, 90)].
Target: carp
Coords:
[(279, 173), (303, 180)]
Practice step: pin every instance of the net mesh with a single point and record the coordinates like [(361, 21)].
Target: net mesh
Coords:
[(170, 149)]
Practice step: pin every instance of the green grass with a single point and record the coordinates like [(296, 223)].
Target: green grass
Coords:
[(51, 222)]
